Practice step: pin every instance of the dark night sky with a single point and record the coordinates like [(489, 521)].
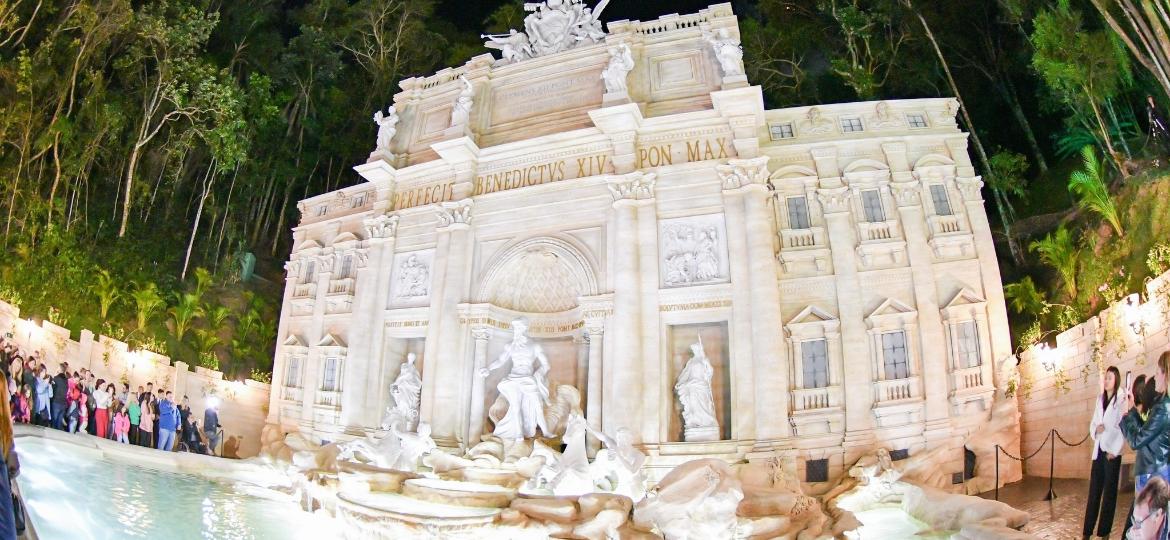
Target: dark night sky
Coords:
[(468, 15)]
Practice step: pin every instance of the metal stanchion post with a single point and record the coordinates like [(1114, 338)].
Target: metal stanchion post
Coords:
[(997, 472), (1051, 466)]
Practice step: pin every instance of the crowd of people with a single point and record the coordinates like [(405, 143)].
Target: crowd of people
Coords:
[(1136, 414), (78, 401)]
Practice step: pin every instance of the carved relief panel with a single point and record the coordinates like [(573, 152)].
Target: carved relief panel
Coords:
[(693, 250), (410, 283)]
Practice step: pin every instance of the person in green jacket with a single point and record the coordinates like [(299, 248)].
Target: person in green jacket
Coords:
[(135, 416)]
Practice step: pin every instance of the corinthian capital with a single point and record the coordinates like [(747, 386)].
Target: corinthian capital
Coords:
[(743, 172), (834, 200), (636, 186), (383, 226), (454, 213), (907, 193), (970, 188)]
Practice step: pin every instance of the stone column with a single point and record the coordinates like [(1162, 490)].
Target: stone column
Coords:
[(380, 232), (593, 387), (479, 361), (292, 270), (770, 362), (314, 334), (445, 364), (622, 380), (970, 187), (654, 401), (858, 377), (743, 361), (932, 339)]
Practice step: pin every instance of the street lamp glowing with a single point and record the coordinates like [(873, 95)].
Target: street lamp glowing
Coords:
[(1133, 314), (212, 402), (1048, 356)]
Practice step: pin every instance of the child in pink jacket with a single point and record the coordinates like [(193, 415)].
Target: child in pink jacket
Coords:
[(122, 425)]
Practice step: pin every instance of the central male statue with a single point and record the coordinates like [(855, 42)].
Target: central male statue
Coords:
[(525, 388)]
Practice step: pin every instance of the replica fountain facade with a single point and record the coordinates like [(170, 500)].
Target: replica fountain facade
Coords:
[(598, 265)]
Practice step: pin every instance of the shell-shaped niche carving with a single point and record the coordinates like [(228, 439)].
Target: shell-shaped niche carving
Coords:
[(537, 281)]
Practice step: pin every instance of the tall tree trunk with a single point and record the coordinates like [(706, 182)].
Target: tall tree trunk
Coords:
[(208, 180), (56, 179), (1009, 93), (128, 187), (1114, 155), (974, 135)]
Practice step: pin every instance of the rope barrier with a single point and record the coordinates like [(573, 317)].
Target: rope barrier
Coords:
[(1053, 436)]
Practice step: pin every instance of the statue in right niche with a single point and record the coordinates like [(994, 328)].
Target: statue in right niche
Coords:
[(693, 388)]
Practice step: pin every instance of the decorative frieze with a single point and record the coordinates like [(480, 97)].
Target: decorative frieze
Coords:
[(693, 250)]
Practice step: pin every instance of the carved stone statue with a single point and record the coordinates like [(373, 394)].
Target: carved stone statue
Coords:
[(815, 123), (406, 391), (461, 113), (513, 46), (727, 51), (525, 387), (618, 467), (413, 279), (693, 388), (568, 473), (387, 127), (552, 26), (621, 62), (395, 450)]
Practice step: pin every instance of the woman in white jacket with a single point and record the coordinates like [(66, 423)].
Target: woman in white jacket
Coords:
[(1105, 429)]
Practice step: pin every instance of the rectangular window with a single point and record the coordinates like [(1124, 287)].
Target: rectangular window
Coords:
[(851, 125), (322, 210), (816, 363), (346, 267), (292, 378), (894, 357), (967, 344), (329, 382), (310, 274), (359, 201), (871, 202), (916, 121), (942, 205), (781, 131), (798, 213), (816, 470)]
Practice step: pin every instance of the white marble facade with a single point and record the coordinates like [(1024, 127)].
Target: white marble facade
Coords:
[(836, 260)]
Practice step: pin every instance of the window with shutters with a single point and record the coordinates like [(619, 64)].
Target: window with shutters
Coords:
[(798, 217), (942, 204), (894, 356), (292, 377), (967, 344), (329, 381), (816, 363), (871, 203), (310, 272)]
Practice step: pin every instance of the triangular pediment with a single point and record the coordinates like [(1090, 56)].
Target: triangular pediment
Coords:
[(293, 341), (965, 297), (812, 314), (891, 307), (345, 237), (330, 340), (308, 244)]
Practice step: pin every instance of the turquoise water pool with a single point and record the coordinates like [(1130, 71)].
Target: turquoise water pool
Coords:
[(73, 493)]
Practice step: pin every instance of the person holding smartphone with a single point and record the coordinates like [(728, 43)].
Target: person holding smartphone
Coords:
[(1105, 430)]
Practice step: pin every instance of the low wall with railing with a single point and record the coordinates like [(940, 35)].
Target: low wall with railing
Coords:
[(243, 404), (1058, 385)]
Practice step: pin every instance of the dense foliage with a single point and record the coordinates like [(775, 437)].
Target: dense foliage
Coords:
[(144, 141)]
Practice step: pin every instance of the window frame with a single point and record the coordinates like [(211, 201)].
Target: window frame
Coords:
[(865, 205), (781, 130), (917, 121), (946, 199), (851, 124)]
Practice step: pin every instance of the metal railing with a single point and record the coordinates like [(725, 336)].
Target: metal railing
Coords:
[(1053, 436)]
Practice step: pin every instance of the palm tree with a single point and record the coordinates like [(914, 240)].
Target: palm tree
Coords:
[(216, 315), (202, 281), (106, 290), (1025, 297), (184, 312), (1060, 251), (1089, 185), (147, 302), (205, 342)]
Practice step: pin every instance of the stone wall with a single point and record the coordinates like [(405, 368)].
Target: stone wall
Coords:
[(1058, 385), (243, 407)]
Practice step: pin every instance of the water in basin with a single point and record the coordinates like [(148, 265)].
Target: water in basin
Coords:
[(71, 492)]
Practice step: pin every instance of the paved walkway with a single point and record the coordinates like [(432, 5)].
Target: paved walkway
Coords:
[(1063, 517)]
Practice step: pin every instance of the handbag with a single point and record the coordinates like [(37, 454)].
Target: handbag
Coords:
[(18, 514)]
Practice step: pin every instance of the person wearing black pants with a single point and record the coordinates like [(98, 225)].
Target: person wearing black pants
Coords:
[(1105, 429)]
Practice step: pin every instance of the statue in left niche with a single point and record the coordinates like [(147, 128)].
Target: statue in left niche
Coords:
[(406, 392), (461, 113), (525, 387), (693, 388), (387, 127)]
